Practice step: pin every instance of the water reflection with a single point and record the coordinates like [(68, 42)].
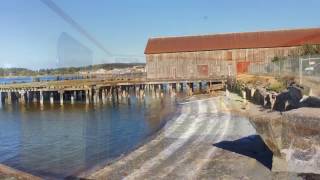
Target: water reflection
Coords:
[(58, 141)]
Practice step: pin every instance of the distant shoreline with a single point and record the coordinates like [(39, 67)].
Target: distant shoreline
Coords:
[(25, 72)]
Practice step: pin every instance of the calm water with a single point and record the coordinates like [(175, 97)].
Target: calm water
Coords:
[(58, 141)]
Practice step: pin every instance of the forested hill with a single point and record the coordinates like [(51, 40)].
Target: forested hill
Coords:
[(66, 70)]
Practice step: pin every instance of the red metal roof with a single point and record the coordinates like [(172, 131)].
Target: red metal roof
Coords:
[(245, 40)]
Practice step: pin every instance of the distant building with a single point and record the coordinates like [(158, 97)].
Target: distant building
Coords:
[(100, 71), (211, 56)]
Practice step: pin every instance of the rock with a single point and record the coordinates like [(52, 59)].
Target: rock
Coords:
[(289, 99), (248, 93), (280, 102), (293, 137), (311, 102), (259, 96), (267, 100), (295, 95)]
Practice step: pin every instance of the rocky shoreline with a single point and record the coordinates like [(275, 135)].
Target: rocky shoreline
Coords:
[(288, 123)]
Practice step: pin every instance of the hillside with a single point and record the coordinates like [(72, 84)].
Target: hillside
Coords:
[(67, 70)]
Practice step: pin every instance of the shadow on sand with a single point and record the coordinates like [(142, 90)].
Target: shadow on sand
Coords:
[(251, 146)]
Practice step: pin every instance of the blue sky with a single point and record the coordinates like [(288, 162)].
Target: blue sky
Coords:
[(30, 31)]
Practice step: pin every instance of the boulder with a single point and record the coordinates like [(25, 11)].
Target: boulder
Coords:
[(259, 96), (280, 102), (295, 95), (292, 136), (268, 100), (289, 99), (310, 102), (248, 93)]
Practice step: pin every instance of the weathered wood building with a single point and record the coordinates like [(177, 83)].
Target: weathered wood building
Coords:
[(213, 56)]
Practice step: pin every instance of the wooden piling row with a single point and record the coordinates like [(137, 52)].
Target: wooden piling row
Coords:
[(96, 93)]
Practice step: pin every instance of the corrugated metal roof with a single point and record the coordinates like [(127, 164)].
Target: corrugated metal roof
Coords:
[(245, 40)]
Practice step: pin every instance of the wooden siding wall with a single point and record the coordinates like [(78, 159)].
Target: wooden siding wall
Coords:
[(192, 65)]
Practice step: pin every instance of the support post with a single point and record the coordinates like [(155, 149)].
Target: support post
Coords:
[(34, 96), (28, 96), (51, 98), (41, 97), (87, 97), (61, 97), (22, 99), (90, 95), (103, 96), (1, 97), (72, 99), (9, 98), (96, 96)]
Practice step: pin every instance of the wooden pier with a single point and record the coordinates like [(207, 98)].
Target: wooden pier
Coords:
[(97, 90)]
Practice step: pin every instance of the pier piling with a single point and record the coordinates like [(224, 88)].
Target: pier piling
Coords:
[(9, 98), (61, 97), (51, 98), (41, 97), (97, 91)]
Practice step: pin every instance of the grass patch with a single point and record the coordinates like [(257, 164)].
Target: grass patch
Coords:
[(276, 86)]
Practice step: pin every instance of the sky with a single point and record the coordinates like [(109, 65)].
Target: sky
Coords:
[(30, 30)]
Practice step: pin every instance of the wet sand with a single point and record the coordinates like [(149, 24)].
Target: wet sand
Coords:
[(206, 141)]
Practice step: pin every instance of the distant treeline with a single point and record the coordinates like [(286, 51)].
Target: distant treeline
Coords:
[(66, 70)]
